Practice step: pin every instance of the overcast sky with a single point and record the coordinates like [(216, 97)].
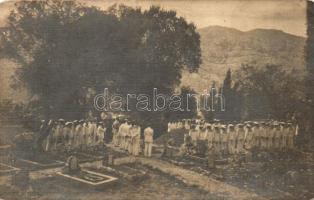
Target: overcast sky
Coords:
[(286, 15)]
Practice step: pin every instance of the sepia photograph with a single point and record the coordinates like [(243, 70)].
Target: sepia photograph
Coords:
[(156, 99)]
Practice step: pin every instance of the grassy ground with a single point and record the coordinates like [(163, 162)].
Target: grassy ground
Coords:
[(272, 175), (156, 186)]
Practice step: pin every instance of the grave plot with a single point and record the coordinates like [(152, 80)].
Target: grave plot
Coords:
[(157, 150), (39, 161), (89, 178), (90, 156), (129, 172), (124, 167), (7, 169), (86, 157), (197, 164), (40, 164), (81, 156), (73, 172), (46, 160), (123, 160), (187, 160)]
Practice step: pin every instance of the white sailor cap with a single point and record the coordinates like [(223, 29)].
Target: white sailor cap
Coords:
[(68, 123), (240, 125)]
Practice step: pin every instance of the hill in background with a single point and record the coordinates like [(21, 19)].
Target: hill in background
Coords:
[(224, 48)]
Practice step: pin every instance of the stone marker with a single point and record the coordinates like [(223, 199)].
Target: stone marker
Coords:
[(72, 165), (110, 159)]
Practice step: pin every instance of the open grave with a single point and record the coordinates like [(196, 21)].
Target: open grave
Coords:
[(39, 161)]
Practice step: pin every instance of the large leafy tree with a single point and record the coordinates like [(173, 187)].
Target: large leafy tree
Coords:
[(188, 106), (66, 52), (309, 118), (270, 92)]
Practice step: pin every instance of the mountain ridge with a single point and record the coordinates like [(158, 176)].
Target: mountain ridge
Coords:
[(224, 47)]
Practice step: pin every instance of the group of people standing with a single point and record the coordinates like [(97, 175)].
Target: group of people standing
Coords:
[(127, 136), (218, 138), (238, 138), (74, 135), (81, 135)]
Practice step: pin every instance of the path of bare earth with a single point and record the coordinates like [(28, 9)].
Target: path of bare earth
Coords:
[(194, 179)]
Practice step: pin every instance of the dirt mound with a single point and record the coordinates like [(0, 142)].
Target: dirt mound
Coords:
[(176, 135)]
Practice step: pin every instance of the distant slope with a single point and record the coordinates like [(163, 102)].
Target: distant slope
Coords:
[(224, 48)]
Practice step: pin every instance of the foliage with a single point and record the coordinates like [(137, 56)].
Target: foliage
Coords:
[(188, 106), (67, 52), (270, 92), (309, 58)]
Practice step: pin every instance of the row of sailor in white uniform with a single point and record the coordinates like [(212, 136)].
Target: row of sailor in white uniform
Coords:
[(74, 135), (85, 134), (233, 139)]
